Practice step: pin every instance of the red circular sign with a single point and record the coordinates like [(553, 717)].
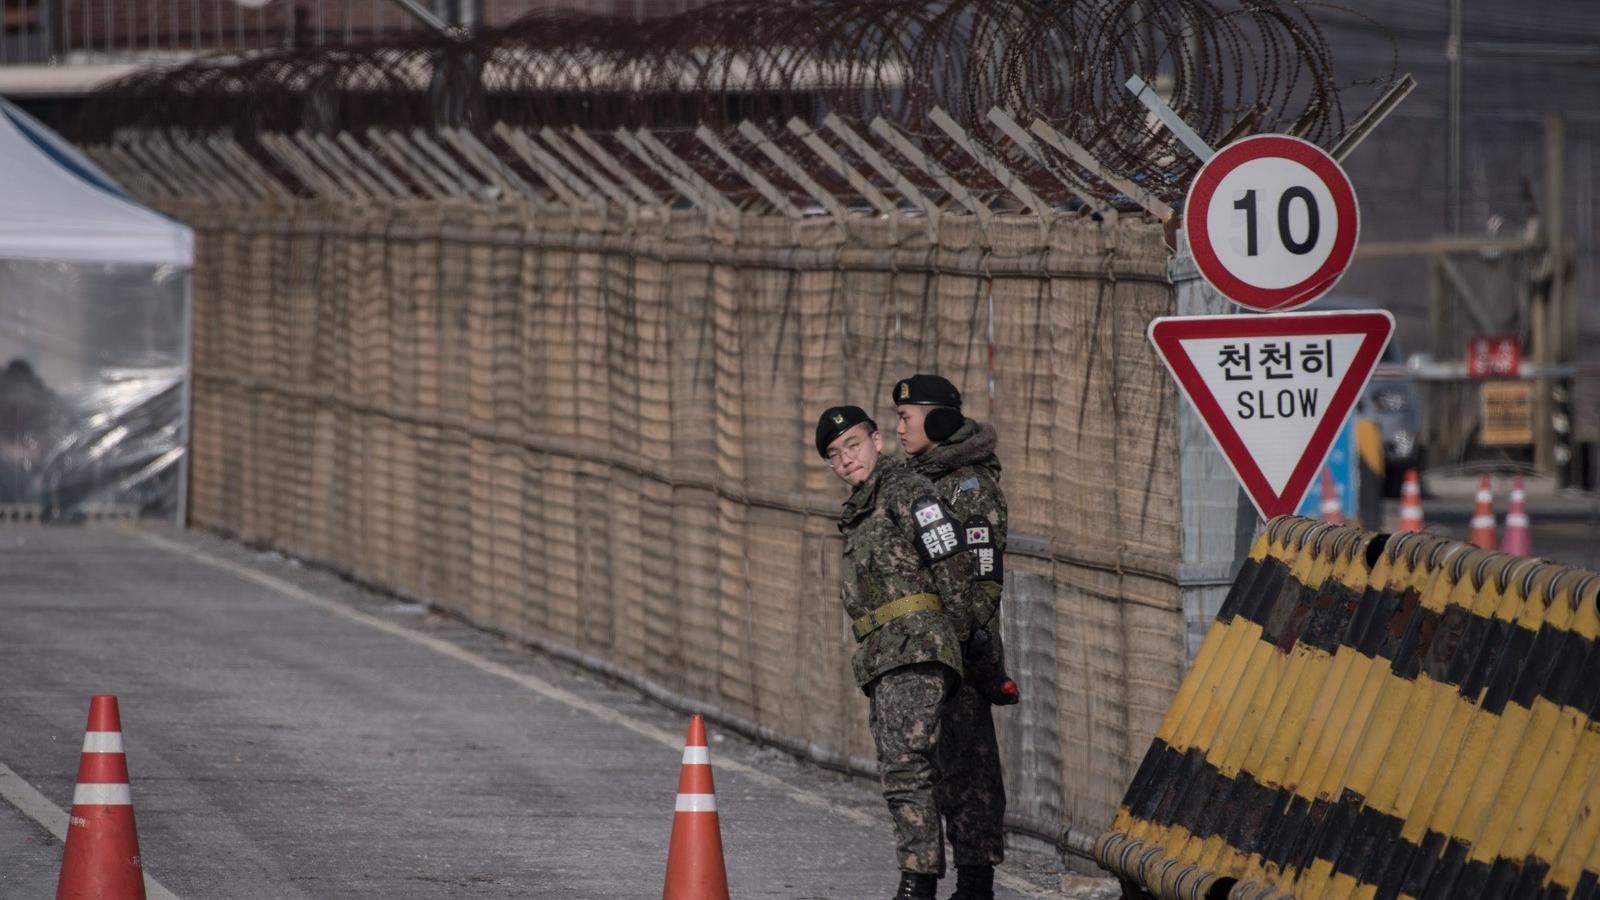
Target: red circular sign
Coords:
[(1272, 222)]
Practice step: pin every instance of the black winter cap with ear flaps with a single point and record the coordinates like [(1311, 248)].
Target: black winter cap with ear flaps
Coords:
[(926, 390)]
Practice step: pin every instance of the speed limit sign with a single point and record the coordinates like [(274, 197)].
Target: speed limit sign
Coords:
[(1272, 222)]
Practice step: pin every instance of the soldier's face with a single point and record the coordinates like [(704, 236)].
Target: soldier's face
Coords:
[(913, 438), (854, 454)]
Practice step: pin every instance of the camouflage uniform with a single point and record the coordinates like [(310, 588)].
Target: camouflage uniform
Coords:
[(901, 543), (972, 795)]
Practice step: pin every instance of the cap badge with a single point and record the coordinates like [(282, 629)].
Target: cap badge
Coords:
[(838, 418), (905, 390)]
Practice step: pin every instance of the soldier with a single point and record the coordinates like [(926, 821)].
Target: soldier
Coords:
[(958, 455), (902, 579)]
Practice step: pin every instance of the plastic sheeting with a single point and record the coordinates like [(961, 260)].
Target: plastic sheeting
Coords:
[(93, 389)]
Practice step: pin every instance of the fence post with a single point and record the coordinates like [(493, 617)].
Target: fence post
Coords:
[(542, 163), (229, 149), (1074, 151), (1009, 127), (612, 165), (989, 164), (685, 171), (615, 194), (748, 172), (422, 175), (858, 182), (332, 153), (753, 133), (363, 159), (957, 191), (488, 165), (861, 148)]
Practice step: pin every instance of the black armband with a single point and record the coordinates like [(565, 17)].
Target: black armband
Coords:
[(986, 557), (938, 533)]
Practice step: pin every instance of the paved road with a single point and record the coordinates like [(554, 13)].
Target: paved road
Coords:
[(291, 736)]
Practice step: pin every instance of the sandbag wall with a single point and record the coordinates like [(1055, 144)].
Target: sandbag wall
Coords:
[(594, 434), (1377, 716)]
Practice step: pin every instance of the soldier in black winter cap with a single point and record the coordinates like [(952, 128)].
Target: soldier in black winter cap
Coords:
[(903, 581), (957, 454)]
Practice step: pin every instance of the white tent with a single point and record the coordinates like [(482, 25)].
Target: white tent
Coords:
[(94, 323), (59, 205)]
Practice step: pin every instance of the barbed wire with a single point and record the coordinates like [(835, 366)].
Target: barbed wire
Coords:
[(1259, 66)]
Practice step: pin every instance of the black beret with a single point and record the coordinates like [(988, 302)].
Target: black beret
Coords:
[(837, 421), (926, 390)]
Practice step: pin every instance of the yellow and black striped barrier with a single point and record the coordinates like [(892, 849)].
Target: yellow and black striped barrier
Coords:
[(1377, 716)]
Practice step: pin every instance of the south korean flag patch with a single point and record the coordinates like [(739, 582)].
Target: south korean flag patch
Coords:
[(979, 535), (938, 532)]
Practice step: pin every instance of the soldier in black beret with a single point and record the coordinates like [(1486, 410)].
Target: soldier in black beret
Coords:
[(903, 582), (957, 454)]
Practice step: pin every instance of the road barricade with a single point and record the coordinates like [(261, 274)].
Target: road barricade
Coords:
[(1377, 716)]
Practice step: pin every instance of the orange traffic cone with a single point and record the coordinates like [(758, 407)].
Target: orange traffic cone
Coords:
[(101, 861), (1516, 539), (695, 870), (1411, 502), (1483, 517), (1332, 509)]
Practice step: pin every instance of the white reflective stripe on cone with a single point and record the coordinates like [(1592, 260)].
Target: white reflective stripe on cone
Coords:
[(1483, 521), (697, 803), (102, 742), (102, 795), (1515, 520), (696, 756)]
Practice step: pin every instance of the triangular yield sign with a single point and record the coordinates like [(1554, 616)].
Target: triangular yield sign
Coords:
[(1274, 390)]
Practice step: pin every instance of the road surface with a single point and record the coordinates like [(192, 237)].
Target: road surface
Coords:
[(290, 735)]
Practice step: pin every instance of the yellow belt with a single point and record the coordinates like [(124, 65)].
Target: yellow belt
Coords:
[(894, 609)]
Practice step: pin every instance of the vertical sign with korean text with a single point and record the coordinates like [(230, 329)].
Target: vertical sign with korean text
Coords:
[(1274, 390)]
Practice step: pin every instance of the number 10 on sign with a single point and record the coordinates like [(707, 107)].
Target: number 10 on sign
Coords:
[(1272, 221)]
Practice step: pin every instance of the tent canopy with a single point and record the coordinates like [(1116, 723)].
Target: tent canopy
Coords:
[(57, 205)]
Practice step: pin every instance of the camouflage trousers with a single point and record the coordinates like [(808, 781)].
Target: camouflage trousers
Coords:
[(971, 794), (905, 716)]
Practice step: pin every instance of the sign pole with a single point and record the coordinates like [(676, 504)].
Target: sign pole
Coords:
[(1218, 521)]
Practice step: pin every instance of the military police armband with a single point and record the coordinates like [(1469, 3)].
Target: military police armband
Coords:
[(938, 533), (986, 557)]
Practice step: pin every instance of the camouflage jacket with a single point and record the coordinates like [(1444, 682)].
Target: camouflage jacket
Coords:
[(889, 523), (966, 477)]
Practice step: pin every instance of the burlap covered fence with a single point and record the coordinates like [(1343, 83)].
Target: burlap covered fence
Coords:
[(595, 435)]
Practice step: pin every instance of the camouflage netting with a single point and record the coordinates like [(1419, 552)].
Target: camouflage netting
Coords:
[(596, 436)]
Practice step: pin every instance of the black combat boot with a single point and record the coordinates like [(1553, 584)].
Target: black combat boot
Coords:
[(917, 886), (974, 883)]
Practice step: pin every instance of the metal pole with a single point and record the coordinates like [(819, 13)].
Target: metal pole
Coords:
[(1548, 318), (1452, 54), (1218, 520), (469, 13), (186, 389)]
